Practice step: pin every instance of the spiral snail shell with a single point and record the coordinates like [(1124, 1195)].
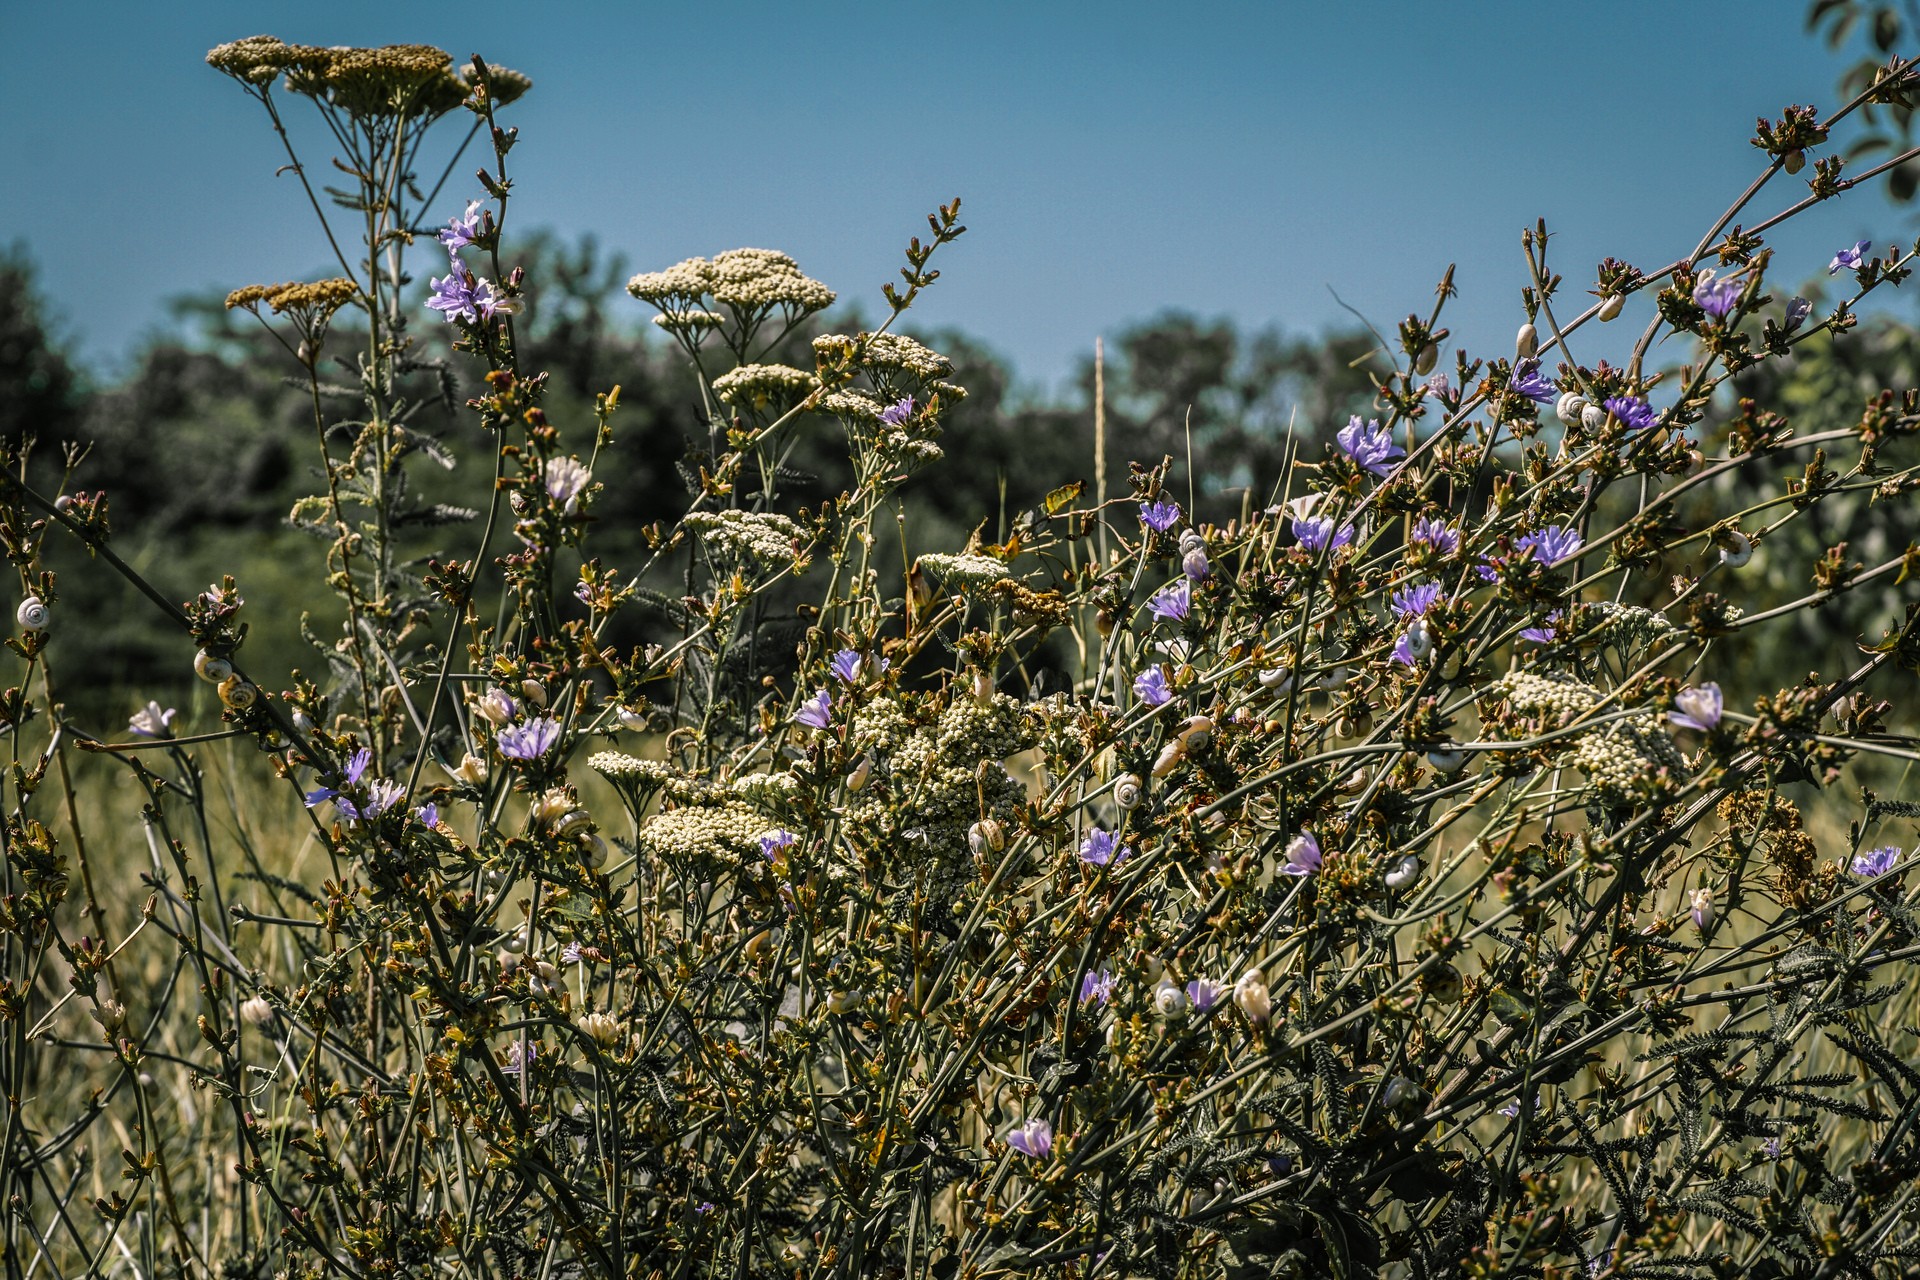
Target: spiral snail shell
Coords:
[(237, 693), (210, 668), (573, 822), (1129, 791), (33, 614), (986, 836)]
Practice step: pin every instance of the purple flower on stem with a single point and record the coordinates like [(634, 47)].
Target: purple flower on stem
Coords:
[(489, 301), (1205, 993), (1034, 1138), (462, 231), (1550, 545), (1850, 259), (1369, 444), (453, 295), (846, 664), (428, 815), (1174, 603), (1697, 708), (1436, 534), (1875, 863), (355, 767), (1101, 849), (816, 712), (565, 478), (1097, 986), (1527, 381), (1545, 632), (1634, 413), (1303, 856), (1317, 533), (1797, 312), (1159, 516), (1717, 297), (382, 795), (1413, 602), (1151, 687), (1403, 649), (897, 413), (519, 1057), (774, 841), (528, 741), (152, 722), (1771, 1147)]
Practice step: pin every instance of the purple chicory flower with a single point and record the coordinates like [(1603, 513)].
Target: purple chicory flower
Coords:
[(1317, 533), (1369, 444), (774, 841), (1550, 545), (1527, 381), (1436, 534), (1159, 516), (1303, 856), (1034, 1138), (1151, 687), (1403, 649), (1797, 312), (490, 301), (816, 712), (897, 413), (428, 815), (1697, 708), (1097, 986), (1545, 632), (846, 664), (462, 231), (1415, 601), (382, 795), (355, 767), (1717, 297), (152, 722), (528, 741), (1438, 387), (1875, 863), (1635, 414), (1101, 848), (1850, 259), (1205, 993), (453, 295), (1771, 1147), (1174, 603), (519, 1057)]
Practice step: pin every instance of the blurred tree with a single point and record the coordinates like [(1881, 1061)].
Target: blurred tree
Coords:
[(40, 392), (1880, 31)]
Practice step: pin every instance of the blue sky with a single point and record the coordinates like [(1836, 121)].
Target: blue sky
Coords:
[(1115, 159)]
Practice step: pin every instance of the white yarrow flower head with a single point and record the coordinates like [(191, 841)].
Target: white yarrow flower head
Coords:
[(152, 722)]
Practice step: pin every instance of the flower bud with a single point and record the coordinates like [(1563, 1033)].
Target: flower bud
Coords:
[(1252, 996), (255, 1011), (496, 705), (210, 668), (603, 1029), (551, 806), (471, 770), (1129, 791), (111, 1015), (1570, 406), (33, 614), (1701, 909), (1610, 306), (1526, 343)]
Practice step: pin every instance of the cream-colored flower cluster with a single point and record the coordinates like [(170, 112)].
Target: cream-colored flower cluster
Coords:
[(755, 386), (1622, 759), (963, 572), (1552, 699), (724, 832), (750, 281), (766, 536)]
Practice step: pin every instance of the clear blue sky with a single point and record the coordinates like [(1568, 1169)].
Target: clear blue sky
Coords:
[(1115, 159)]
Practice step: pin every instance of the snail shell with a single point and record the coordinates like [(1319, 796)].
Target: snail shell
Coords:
[(1129, 791), (237, 693), (211, 668), (33, 614)]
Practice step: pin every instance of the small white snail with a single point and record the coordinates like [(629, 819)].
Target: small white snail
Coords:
[(1526, 343), (1446, 759), (986, 836), (1738, 551), (1593, 417), (33, 614), (1403, 873), (1129, 791), (211, 668), (1610, 306), (1570, 406)]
